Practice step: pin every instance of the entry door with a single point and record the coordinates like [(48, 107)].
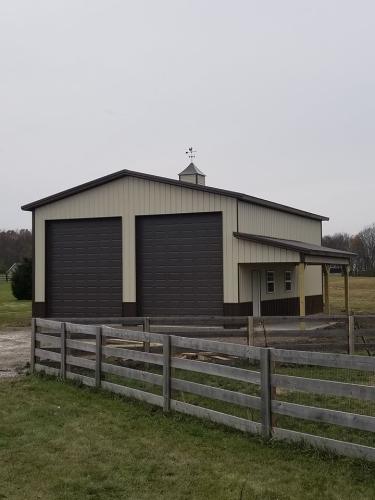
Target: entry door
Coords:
[(256, 293)]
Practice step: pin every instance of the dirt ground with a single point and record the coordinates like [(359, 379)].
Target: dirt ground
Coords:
[(14, 351), (15, 348)]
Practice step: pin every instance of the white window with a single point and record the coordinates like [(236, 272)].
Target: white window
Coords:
[(270, 281), (288, 281)]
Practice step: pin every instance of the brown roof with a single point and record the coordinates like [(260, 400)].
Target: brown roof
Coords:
[(165, 180), (298, 246)]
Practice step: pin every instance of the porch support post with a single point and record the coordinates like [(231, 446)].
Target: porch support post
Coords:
[(301, 288), (326, 289), (346, 278)]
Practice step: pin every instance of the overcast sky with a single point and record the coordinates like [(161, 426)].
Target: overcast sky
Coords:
[(278, 98)]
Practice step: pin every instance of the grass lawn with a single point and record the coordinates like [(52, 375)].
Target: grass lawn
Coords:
[(362, 294), (345, 404), (59, 441), (13, 312)]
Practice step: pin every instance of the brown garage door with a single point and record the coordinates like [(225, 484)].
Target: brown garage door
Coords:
[(180, 265), (84, 267)]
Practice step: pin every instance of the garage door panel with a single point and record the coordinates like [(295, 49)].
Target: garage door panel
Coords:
[(84, 267), (180, 264)]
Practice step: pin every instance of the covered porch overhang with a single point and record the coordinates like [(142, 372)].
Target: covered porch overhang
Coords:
[(303, 254)]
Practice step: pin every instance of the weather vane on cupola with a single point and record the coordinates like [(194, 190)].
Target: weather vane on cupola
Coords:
[(192, 173), (191, 153)]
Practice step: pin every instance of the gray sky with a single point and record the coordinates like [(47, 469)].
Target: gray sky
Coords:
[(277, 97)]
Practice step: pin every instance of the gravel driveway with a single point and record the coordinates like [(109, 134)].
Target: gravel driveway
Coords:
[(14, 351)]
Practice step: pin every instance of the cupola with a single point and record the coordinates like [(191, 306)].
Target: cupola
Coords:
[(193, 175)]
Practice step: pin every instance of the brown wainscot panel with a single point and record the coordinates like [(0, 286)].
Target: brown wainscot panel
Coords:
[(290, 306), (314, 304), (238, 309), (39, 309), (280, 307), (129, 309)]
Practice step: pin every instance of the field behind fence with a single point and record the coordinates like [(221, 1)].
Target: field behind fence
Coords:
[(324, 399)]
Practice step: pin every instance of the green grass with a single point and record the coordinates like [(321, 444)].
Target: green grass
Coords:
[(362, 294), (344, 404), (13, 312), (59, 441)]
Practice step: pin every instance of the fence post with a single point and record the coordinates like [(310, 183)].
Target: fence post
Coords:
[(265, 392), (250, 331), (167, 373), (33, 340), (98, 356), (351, 346), (63, 351), (146, 328)]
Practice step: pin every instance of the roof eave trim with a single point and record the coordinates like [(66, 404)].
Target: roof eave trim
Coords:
[(71, 191), (129, 173), (265, 241), (282, 208)]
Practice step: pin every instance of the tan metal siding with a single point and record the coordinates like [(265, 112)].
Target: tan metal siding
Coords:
[(127, 198), (280, 292), (313, 283), (258, 253), (245, 284), (313, 280), (246, 293), (265, 221)]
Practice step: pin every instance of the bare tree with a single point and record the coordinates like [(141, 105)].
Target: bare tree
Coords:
[(358, 262), (362, 244), (339, 241), (366, 246)]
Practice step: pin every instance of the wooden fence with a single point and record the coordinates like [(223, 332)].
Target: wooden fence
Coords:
[(336, 334), (54, 350)]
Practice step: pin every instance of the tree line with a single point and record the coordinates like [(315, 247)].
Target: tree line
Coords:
[(15, 245), (362, 244)]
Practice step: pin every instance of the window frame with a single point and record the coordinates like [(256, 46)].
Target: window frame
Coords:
[(270, 281), (290, 281)]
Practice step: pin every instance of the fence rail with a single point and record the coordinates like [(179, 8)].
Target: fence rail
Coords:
[(334, 333), (51, 352)]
